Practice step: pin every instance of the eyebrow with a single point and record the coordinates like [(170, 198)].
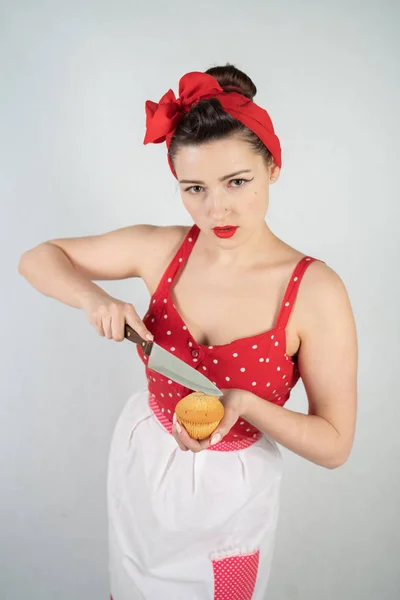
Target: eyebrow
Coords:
[(221, 179)]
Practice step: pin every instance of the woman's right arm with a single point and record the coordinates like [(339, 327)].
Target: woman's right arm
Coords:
[(64, 269)]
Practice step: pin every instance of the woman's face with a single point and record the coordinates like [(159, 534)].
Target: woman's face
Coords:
[(224, 182)]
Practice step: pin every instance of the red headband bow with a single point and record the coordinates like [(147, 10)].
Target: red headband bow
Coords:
[(163, 118)]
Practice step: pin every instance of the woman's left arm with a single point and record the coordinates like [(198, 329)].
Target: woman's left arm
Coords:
[(327, 361)]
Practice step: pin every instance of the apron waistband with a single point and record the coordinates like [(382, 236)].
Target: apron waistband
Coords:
[(225, 445)]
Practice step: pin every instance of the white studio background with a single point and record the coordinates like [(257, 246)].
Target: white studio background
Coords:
[(74, 77)]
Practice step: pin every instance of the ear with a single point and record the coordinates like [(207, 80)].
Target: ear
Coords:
[(274, 172)]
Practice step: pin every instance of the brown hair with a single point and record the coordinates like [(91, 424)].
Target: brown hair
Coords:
[(208, 121)]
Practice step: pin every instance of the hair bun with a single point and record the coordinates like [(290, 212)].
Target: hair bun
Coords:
[(228, 76)]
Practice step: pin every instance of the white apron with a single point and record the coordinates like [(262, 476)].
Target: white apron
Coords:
[(187, 526)]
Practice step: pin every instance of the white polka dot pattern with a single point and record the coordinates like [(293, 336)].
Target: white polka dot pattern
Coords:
[(258, 363), (235, 576)]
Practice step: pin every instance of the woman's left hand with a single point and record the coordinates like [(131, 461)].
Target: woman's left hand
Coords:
[(233, 405)]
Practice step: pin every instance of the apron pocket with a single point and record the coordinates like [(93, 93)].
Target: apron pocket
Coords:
[(235, 575)]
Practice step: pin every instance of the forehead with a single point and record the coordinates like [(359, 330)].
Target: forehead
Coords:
[(211, 160)]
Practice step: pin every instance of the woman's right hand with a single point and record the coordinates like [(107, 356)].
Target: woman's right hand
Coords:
[(108, 316)]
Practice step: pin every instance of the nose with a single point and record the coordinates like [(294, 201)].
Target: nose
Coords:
[(218, 206)]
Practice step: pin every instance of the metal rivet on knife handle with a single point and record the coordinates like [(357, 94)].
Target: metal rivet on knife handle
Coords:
[(133, 336)]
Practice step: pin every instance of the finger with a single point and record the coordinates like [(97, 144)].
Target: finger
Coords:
[(117, 324), (205, 443), (193, 445), (98, 325), (133, 319), (177, 439), (176, 428), (227, 422), (106, 322)]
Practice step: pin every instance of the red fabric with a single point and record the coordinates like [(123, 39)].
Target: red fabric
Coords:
[(235, 576), (163, 117), (258, 363)]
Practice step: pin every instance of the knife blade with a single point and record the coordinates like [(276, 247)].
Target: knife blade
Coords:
[(169, 365)]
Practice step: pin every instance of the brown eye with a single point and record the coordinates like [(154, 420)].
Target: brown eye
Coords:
[(244, 180), (189, 189)]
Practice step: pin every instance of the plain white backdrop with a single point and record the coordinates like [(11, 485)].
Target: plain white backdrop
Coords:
[(74, 77)]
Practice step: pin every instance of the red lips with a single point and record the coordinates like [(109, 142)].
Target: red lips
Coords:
[(225, 232)]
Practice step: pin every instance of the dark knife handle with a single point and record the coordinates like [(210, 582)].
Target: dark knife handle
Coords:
[(133, 336)]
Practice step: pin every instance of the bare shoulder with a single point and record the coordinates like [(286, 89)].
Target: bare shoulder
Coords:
[(322, 295), (165, 238), (161, 245), (320, 282)]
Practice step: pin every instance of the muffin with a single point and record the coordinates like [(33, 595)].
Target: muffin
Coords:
[(200, 414)]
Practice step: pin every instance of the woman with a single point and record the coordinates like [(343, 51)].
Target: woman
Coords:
[(188, 519)]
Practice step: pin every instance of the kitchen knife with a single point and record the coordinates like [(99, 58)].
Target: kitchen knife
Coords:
[(162, 361)]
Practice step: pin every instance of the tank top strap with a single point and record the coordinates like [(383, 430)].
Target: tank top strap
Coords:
[(178, 261), (292, 289)]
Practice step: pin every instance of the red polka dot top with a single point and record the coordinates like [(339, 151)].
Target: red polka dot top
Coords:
[(258, 363)]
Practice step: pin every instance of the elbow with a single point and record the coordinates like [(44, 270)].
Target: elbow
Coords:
[(337, 460), (335, 464), (28, 257), (22, 262), (340, 452)]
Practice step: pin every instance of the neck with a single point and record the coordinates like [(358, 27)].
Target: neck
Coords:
[(257, 244)]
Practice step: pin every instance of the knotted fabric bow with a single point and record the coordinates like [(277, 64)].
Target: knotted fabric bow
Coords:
[(163, 117)]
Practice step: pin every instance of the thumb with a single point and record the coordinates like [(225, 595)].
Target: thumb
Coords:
[(226, 424)]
